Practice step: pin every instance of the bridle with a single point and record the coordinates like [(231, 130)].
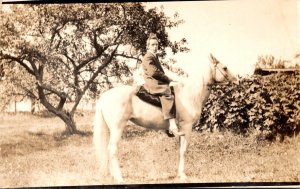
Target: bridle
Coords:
[(221, 70), (216, 67)]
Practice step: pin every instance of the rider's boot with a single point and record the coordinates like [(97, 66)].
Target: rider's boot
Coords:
[(173, 129)]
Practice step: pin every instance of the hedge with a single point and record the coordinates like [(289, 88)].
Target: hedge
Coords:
[(268, 105)]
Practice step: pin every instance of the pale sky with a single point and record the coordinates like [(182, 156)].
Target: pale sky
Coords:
[(236, 32)]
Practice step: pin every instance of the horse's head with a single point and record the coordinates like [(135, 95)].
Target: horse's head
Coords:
[(219, 72)]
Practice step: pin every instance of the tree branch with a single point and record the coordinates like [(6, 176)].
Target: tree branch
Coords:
[(44, 101), (55, 30), (99, 51), (100, 68), (61, 104), (63, 97), (127, 56), (28, 92), (85, 62), (49, 88), (18, 60), (69, 58)]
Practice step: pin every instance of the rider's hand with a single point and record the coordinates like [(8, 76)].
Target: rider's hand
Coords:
[(173, 83)]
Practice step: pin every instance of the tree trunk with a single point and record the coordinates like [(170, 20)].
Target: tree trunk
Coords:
[(15, 106), (65, 116), (33, 102), (70, 127), (70, 123)]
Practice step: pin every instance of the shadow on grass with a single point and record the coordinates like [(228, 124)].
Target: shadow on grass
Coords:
[(30, 142), (27, 143), (66, 134), (132, 131)]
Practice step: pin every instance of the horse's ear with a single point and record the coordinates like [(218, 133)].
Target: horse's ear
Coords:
[(212, 59)]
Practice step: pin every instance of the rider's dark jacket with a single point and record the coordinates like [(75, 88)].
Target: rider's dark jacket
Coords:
[(157, 82)]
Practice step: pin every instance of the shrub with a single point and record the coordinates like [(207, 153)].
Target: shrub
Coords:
[(269, 105)]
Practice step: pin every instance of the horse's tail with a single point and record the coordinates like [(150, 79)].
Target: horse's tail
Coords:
[(101, 138)]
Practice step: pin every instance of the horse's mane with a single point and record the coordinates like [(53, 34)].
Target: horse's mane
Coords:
[(197, 72), (194, 86)]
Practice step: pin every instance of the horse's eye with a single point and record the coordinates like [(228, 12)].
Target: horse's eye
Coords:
[(225, 68)]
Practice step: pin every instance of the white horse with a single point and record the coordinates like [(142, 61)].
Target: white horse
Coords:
[(120, 104)]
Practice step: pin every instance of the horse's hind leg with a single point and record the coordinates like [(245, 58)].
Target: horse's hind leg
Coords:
[(114, 166)]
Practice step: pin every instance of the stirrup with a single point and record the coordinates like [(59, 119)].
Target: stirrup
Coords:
[(169, 133)]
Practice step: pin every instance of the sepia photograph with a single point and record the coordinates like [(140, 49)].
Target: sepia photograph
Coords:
[(150, 94)]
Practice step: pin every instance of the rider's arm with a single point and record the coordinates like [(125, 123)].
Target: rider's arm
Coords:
[(151, 69)]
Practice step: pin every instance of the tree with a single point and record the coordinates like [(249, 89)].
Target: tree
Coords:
[(269, 61), (68, 50)]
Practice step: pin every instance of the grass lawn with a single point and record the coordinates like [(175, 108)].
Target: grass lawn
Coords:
[(33, 153)]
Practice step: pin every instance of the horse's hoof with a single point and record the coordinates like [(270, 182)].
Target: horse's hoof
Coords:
[(183, 178), (119, 181)]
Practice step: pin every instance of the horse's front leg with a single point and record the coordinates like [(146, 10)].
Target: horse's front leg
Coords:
[(183, 146), (184, 140)]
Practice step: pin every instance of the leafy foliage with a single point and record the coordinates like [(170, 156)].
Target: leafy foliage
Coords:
[(15, 85), (268, 105)]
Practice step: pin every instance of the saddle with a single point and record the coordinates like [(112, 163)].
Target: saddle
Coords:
[(145, 96), (153, 99)]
